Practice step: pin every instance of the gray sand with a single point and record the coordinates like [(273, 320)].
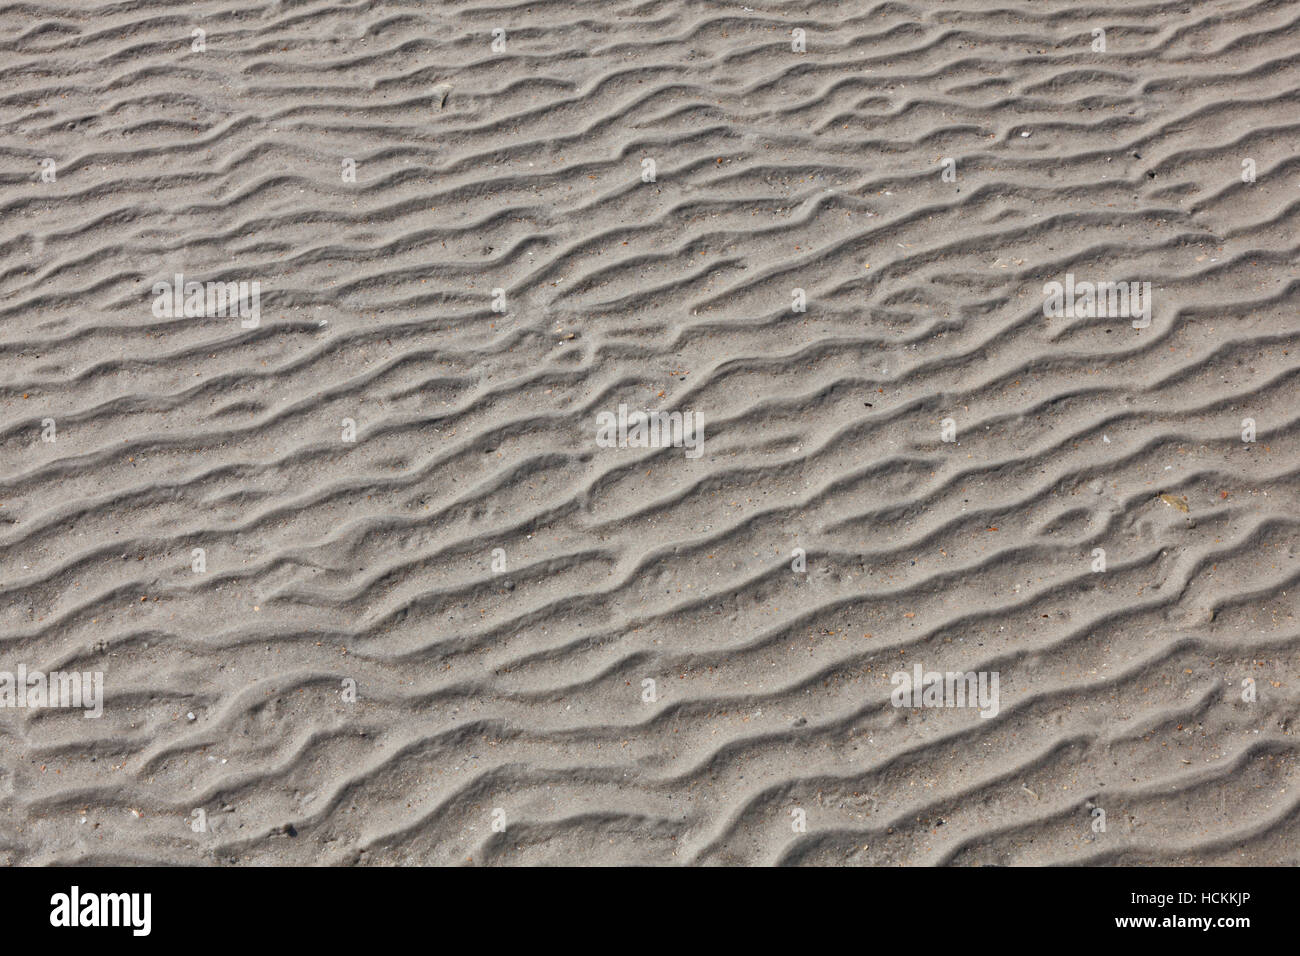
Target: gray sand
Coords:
[(374, 570)]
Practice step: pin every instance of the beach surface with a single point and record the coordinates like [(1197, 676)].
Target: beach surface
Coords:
[(377, 563)]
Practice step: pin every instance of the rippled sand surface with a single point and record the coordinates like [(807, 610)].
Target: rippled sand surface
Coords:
[(477, 634)]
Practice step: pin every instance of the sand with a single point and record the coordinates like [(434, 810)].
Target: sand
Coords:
[(366, 583)]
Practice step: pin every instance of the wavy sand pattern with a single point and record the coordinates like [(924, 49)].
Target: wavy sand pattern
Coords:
[(521, 169)]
